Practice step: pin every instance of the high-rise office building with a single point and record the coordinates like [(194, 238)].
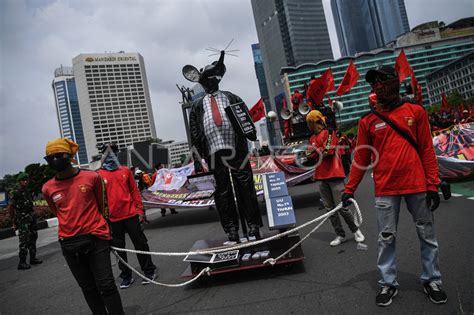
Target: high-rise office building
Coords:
[(175, 152), (290, 33), (67, 109), (262, 85), (363, 25), (114, 99), (438, 55), (260, 73)]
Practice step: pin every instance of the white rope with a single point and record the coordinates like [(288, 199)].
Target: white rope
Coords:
[(272, 261), (358, 220), (206, 271)]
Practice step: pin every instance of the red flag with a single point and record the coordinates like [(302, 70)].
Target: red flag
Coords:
[(330, 80), (402, 66), (330, 103), (444, 103), (320, 86), (257, 112), (286, 123), (416, 88), (349, 80), (461, 108)]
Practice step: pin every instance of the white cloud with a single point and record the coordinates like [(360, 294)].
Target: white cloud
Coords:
[(36, 36)]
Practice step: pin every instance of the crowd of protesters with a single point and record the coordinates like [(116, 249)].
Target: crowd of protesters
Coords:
[(444, 119), (90, 222)]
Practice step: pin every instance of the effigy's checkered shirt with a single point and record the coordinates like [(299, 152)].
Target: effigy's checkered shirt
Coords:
[(222, 137)]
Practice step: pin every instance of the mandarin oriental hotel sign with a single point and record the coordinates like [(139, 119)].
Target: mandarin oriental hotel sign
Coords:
[(111, 59)]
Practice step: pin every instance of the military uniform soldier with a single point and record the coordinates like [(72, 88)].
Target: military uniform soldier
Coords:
[(24, 218)]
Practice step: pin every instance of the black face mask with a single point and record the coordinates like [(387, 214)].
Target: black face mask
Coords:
[(210, 85), (388, 91), (59, 164)]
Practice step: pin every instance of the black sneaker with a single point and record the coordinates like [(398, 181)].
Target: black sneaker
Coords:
[(254, 232), (150, 276), (127, 282), (434, 292), (233, 236), (384, 298), (23, 266)]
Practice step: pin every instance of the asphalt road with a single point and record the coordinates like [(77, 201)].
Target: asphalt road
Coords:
[(330, 280)]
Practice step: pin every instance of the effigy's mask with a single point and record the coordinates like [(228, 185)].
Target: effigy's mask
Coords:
[(209, 77)]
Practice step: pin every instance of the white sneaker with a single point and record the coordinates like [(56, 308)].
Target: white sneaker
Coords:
[(337, 241), (358, 236)]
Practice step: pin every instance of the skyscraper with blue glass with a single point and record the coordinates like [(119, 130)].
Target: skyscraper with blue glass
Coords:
[(363, 25), (260, 73), (67, 109)]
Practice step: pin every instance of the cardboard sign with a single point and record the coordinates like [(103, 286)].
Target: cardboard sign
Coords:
[(274, 185), (280, 210), (241, 120), (280, 213)]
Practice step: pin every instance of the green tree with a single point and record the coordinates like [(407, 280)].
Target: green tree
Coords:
[(8, 182), (155, 140), (455, 99), (38, 173), (183, 158)]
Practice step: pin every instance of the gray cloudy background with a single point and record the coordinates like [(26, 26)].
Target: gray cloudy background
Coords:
[(37, 36)]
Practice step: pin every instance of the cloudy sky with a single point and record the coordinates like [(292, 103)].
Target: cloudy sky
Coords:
[(36, 36)]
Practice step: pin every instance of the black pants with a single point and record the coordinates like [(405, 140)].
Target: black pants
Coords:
[(242, 177), (139, 240), (93, 273)]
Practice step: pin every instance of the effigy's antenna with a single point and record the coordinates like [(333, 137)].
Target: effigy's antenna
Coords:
[(227, 52)]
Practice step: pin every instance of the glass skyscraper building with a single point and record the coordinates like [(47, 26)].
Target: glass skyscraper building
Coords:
[(260, 73), (290, 33), (424, 58), (67, 109), (363, 25)]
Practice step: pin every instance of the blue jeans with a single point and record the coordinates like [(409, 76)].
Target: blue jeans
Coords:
[(388, 210)]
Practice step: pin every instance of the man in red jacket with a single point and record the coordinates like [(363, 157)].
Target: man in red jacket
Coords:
[(403, 167), (77, 198), (126, 214), (329, 171)]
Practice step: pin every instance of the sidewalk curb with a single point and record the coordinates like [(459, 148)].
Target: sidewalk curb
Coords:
[(43, 224)]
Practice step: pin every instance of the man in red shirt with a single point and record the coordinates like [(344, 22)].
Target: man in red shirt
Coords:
[(330, 174), (77, 198), (403, 167), (126, 214)]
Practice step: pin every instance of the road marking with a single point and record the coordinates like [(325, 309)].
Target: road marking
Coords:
[(456, 195), (471, 198)]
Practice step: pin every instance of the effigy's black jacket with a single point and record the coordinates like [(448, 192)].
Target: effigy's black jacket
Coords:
[(196, 126)]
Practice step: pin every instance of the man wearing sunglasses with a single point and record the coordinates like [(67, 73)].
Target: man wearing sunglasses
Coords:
[(396, 137), (77, 198)]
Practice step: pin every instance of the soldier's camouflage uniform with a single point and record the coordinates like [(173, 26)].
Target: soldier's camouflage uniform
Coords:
[(25, 219)]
